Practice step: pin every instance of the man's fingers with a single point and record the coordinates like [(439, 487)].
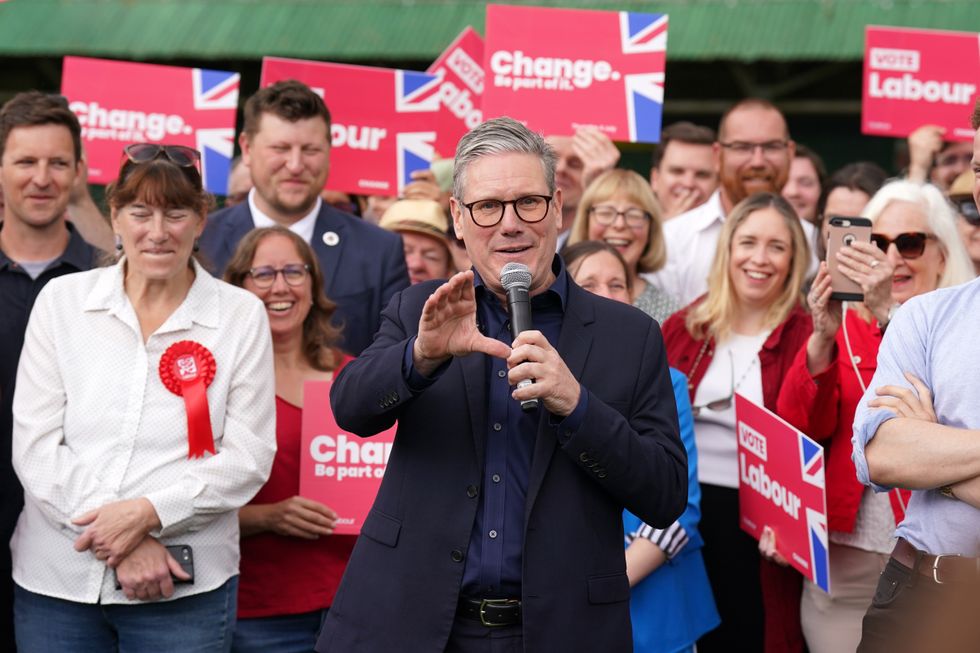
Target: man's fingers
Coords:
[(490, 346)]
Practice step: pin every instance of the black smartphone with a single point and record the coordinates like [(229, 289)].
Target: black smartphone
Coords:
[(844, 231), (184, 555)]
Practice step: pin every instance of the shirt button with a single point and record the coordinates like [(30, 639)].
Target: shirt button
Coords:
[(456, 555), (493, 535), (471, 491), (501, 373), (497, 426), (496, 478)]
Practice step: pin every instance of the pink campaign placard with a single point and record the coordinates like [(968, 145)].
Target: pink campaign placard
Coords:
[(558, 70), (384, 120), (119, 103), (781, 485), (460, 72), (338, 468), (915, 77)]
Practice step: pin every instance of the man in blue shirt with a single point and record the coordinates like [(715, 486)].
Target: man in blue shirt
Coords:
[(40, 150), (917, 427), (493, 523)]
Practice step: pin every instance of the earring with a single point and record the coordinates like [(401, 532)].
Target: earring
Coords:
[(197, 245), (118, 243)]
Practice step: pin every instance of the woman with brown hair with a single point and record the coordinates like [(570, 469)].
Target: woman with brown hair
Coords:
[(291, 562), (143, 421), (741, 337), (619, 209)]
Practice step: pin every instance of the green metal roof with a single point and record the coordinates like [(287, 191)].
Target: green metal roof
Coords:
[(392, 30)]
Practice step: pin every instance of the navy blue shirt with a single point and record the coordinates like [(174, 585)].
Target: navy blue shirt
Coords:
[(494, 556), (17, 294)]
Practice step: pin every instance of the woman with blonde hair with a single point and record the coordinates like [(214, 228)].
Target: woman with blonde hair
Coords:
[(914, 249), (741, 337), (619, 209)]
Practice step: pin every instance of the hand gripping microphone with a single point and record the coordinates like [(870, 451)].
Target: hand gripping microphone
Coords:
[(516, 280)]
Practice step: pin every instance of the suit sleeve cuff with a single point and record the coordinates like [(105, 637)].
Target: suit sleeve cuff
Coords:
[(415, 381), (568, 425)]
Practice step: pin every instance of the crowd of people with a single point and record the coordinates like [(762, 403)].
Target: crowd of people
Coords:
[(569, 487)]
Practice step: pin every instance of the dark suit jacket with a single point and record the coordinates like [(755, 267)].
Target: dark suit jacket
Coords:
[(361, 271), (402, 583)]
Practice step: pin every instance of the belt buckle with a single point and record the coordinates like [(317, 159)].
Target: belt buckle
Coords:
[(935, 567), (483, 611)]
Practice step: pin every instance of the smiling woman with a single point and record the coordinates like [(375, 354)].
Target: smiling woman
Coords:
[(143, 421), (740, 338)]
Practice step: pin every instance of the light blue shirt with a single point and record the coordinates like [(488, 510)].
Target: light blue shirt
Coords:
[(936, 337)]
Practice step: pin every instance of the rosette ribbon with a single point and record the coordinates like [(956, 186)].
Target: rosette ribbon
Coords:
[(187, 369)]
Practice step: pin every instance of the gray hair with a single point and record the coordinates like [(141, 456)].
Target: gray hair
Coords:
[(939, 217), (501, 136)]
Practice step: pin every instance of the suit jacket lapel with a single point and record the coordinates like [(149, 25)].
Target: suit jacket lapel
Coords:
[(329, 255), (574, 343), (474, 371)]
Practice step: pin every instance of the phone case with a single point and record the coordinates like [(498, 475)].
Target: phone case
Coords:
[(184, 555), (845, 230)]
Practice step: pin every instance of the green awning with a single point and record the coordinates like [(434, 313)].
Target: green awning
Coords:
[(418, 30)]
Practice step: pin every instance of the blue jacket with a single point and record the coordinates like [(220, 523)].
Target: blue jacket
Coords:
[(363, 266), (672, 607)]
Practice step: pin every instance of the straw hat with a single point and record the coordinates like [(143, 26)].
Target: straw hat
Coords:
[(424, 217), (962, 185)]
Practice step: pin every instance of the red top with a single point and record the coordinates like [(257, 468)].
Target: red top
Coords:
[(823, 407), (781, 586), (288, 575)]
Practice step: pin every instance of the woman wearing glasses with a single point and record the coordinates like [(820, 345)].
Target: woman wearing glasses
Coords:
[(915, 249), (670, 600), (291, 563), (144, 419), (619, 209), (741, 337)]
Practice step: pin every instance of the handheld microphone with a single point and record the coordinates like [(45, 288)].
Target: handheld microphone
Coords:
[(516, 281)]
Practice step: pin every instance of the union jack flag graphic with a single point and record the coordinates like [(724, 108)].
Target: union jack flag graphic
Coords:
[(644, 106), (416, 92), (415, 152), (215, 89), (811, 462), (643, 32)]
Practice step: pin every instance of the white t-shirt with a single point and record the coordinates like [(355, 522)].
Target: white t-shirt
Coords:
[(735, 368)]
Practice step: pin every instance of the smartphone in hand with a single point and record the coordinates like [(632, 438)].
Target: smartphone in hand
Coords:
[(844, 231)]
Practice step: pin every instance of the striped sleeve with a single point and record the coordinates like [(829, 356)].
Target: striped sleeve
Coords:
[(670, 540)]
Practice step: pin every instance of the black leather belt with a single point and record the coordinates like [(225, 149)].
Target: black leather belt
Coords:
[(491, 612)]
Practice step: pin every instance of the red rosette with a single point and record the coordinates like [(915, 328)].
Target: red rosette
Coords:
[(187, 369)]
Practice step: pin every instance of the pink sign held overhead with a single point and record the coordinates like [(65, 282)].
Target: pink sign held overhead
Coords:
[(119, 103), (915, 77), (384, 121), (339, 469), (558, 70), (781, 485), (460, 72)]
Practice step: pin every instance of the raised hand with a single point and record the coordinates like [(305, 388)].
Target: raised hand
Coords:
[(866, 265), (447, 327), (597, 151), (827, 315)]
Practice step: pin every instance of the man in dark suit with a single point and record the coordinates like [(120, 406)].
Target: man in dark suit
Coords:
[(496, 528), (286, 146)]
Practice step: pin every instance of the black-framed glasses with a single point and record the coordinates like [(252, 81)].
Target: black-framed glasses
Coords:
[(747, 148), (910, 245), (180, 155), (529, 208), (968, 209), (606, 215), (264, 276)]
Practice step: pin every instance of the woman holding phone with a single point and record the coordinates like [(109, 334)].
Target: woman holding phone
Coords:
[(914, 249)]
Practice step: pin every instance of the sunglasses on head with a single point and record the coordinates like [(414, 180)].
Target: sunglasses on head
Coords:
[(179, 155), (968, 209), (910, 245)]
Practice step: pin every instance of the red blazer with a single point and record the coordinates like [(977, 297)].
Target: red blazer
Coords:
[(823, 406), (781, 586)]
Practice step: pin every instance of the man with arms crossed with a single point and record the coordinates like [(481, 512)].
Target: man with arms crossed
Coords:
[(918, 427), (497, 527)]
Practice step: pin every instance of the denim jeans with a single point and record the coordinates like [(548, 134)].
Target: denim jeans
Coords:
[(202, 623), (290, 633)]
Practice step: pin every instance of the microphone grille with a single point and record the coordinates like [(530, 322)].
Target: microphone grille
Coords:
[(515, 275)]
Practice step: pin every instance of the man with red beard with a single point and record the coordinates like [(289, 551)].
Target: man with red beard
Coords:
[(753, 155)]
